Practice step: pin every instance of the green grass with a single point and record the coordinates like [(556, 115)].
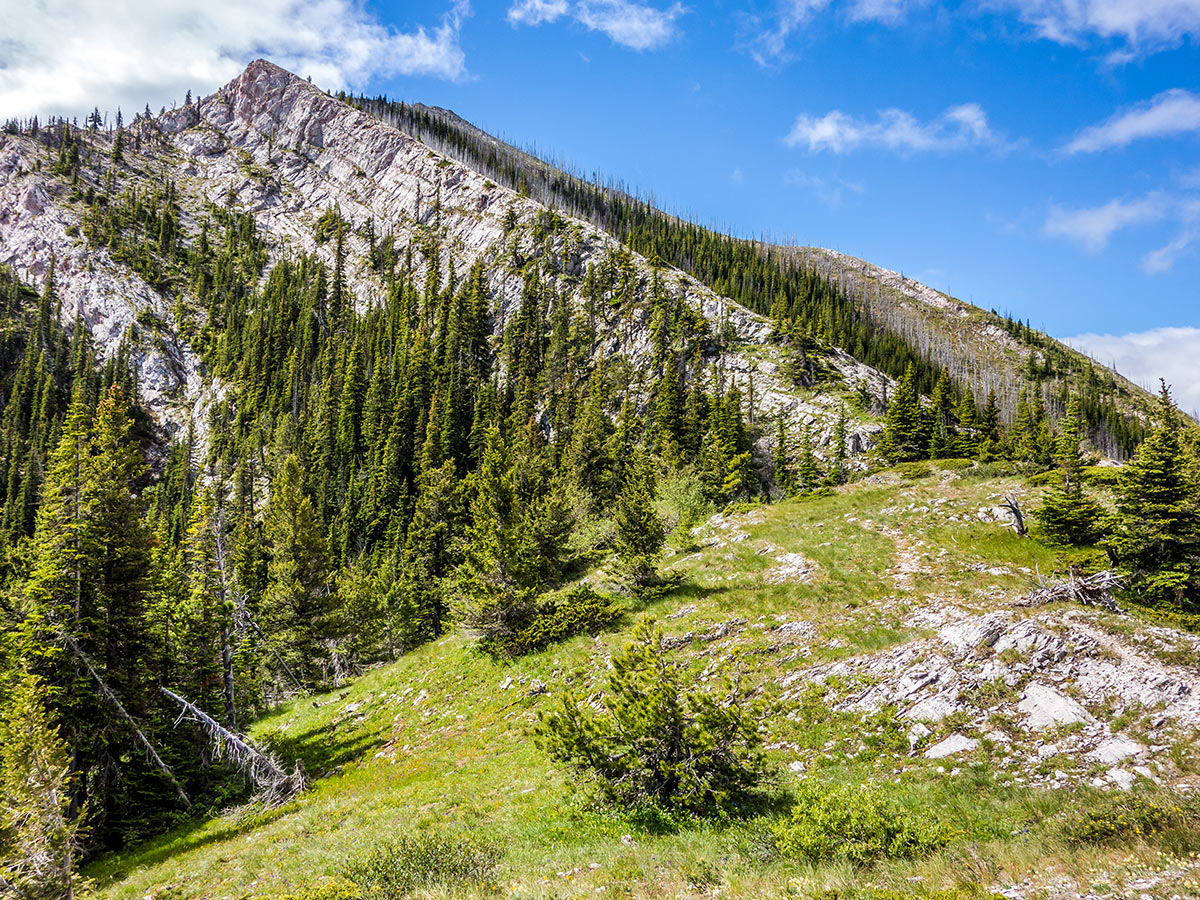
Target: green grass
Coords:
[(430, 744)]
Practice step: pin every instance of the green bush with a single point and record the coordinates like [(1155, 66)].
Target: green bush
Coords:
[(578, 611), (954, 464), (914, 470), (661, 740), (1102, 476), (682, 504), (857, 823), (423, 860), (327, 889), (1118, 817)]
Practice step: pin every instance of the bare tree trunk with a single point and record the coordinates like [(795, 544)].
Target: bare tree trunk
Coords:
[(108, 695)]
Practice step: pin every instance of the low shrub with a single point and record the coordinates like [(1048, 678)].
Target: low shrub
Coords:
[(660, 740), (954, 464), (1102, 476), (327, 889), (963, 892), (419, 861), (856, 823), (1117, 817), (579, 610), (914, 470)]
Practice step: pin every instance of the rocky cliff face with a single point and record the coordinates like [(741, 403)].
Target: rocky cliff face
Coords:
[(286, 152)]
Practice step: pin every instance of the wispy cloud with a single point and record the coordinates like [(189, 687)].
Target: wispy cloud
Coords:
[(831, 191), (1143, 25), (1146, 356), (1170, 113), (1092, 227), (770, 35), (66, 57), (957, 128), (632, 25), (537, 12)]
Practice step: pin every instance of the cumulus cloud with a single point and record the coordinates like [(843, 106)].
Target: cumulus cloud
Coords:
[(894, 129), (1144, 357), (68, 56), (1170, 113), (1143, 25), (632, 25), (1092, 227)]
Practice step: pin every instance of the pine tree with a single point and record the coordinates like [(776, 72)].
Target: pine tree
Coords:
[(1067, 514), (904, 430), (296, 602), (1156, 540), (640, 532), (38, 832), (494, 601), (837, 467), (808, 469)]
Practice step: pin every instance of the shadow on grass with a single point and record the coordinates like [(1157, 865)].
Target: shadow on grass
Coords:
[(323, 748), (182, 839)]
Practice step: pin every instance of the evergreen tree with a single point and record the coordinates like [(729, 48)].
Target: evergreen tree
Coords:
[(494, 599), (640, 532), (1067, 514), (1156, 541), (905, 426), (38, 831), (296, 602)]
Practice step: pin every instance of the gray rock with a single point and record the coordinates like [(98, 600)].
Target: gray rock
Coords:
[(1116, 750), (1044, 708), (949, 746)]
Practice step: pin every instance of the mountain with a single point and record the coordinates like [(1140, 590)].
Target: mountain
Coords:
[(886, 319), (387, 512), (278, 148)]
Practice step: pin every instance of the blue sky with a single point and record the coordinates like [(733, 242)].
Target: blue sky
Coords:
[(1034, 156)]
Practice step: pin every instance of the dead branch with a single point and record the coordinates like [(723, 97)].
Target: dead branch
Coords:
[(1088, 590), (273, 784), (1010, 503), (111, 697)]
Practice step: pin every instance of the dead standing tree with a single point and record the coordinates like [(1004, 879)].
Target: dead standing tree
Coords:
[(272, 784)]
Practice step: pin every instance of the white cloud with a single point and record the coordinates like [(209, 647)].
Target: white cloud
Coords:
[(894, 129), (1171, 113), (536, 12), (632, 25), (1146, 356), (886, 12), (67, 56), (770, 44), (1144, 25), (1092, 227), (830, 191)]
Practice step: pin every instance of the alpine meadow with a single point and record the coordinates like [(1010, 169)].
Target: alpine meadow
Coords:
[(388, 511)]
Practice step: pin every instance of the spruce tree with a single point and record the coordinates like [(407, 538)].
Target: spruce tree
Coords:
[(640, 532), (1067, 514), (905, 426), (38, 831), (1156, 541), (296, 602)]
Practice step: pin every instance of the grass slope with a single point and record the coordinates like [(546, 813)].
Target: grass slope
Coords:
[(439, 739)]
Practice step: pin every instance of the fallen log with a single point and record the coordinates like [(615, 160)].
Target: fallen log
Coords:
[(273, 785)]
